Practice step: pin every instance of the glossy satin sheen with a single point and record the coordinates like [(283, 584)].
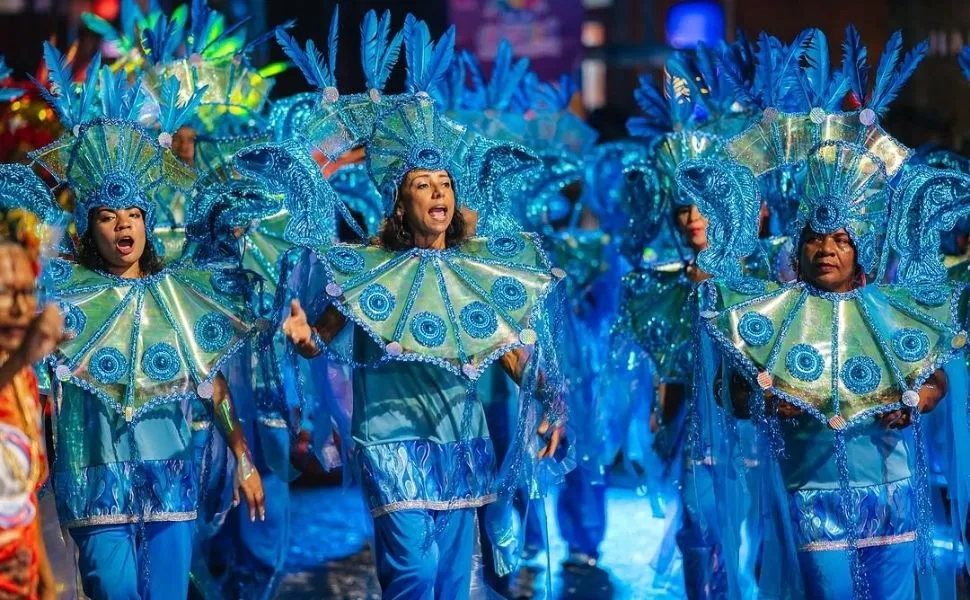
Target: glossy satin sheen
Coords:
[(139, 342), (845, 355), (419, 444), (455, 307)]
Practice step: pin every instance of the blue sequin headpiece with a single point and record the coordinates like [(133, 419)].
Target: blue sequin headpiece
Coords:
[(413, 136), (853, 174), (209, 63), (403, 131), (108, 158), (688, 119)]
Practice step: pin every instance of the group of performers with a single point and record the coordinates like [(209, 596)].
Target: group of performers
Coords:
[(461, 298)]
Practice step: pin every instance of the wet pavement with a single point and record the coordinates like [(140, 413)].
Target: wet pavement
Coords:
[(330, 555)]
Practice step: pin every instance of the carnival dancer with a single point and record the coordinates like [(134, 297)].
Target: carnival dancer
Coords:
[(148, 339), (426, 322), (839, 368)]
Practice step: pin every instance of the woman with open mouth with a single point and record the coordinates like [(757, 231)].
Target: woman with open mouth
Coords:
[(148, 340), (422, 313)]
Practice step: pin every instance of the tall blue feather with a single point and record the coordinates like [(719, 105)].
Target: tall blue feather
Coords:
[(506, 77), (426, 62), (61, 98), (964, 61), (886, 71), (377, 52), (172, 115), (855, 63), (817, 66), (332, 43), (883, 97)]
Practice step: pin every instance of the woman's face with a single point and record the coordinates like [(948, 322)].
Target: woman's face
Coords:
[(692, 226), (428, 202), (18, 300), (828, 261), (119, 236)]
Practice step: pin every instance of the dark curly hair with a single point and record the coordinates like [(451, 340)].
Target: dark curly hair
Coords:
[(395, 234), (87, 254)]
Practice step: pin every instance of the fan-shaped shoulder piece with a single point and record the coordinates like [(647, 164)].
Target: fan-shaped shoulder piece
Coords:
[(460, 309), (840, 357), (655, 312), (139, 343)]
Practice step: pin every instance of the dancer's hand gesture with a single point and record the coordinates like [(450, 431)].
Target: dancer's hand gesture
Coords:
[(297, 329), (552, 435)]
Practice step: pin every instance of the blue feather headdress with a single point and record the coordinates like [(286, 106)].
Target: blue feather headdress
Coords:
[(689, 117), (853, 174), (343, 122), (399, 132), (108, 157)]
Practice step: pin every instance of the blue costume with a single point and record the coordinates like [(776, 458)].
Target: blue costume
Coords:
[(691, 118), (847, 508), (421, 326), (125, 476)]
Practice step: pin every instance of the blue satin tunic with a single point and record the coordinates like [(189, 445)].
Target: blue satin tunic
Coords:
[(422, 441)]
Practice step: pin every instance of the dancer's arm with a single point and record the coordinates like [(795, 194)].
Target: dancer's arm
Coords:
[(247, 476), (513, 362)]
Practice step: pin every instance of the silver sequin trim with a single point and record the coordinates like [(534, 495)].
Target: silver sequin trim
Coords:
[(433, 505), (884, 540), (132, 519)]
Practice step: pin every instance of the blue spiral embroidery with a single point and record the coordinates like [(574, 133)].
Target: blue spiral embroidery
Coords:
[(59, 270), (866, 251), (346, 260), (931, 296), (505, 246), (429, 329), (74, 319), (230, 284), (508, 293), (213, 331), (161, 362), (479, 320), (377, 302), (755, 329), (911, 345), (747, 285), (861, 375), (804, 362), (108, 366), (827, 217)]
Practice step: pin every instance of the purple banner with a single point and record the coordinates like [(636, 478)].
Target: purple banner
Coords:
[(546, 31)]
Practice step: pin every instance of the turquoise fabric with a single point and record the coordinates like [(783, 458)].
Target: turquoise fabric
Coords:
[(409, 400), (421, 435), (104, 473), (874, 455)]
